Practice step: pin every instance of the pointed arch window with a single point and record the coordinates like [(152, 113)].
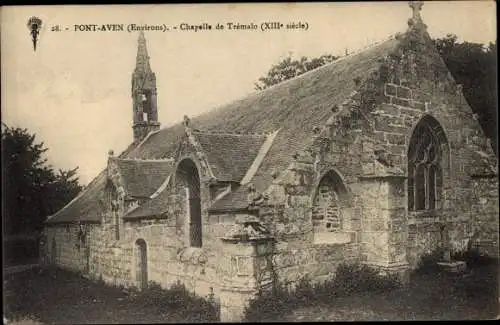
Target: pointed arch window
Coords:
[(326, 208), (424, 169), (187, 177)]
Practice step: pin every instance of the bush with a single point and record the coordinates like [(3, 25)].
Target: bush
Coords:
[(269, 305), (304, 290), (474, 258), (355, 278), (349, 279), (179, 298), (428, 262)]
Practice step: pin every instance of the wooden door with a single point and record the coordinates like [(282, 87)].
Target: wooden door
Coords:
[(142, 264)]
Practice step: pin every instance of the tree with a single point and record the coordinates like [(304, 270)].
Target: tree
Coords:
[(289, 68), (474, 66), (31, 190)]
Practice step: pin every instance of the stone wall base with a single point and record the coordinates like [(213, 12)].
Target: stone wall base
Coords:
[(233, 303), (402, 271)]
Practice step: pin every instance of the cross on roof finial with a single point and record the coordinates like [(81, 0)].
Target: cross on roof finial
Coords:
[(186, 121), (416, 7)]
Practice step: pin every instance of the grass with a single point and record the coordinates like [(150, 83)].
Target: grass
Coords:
[(429, 296), (51, 296), (350, 279)]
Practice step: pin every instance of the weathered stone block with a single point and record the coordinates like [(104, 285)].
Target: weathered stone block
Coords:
[(401, 102), (384, 124), (403, 92), (390, 90), (395, 138), (418, 105), (389, 109)]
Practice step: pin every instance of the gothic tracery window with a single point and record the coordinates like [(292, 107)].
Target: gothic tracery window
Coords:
[(424, 168)]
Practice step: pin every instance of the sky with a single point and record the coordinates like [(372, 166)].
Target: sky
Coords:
[(74, 91)]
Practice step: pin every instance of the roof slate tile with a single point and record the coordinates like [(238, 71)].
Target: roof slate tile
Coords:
[(295, 106)]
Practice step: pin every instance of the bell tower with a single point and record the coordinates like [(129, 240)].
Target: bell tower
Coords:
[(145, 118)]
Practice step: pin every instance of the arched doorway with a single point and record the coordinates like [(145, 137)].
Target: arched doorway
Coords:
[(188, 178), (427, 162), (141, 264)]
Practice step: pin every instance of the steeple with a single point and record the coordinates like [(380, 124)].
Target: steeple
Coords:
[(142, 59), (145, 112)]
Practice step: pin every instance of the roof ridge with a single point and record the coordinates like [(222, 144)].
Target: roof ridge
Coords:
[(393, 36), (263, 134), (146, 138), (340, 59), (162, 187), (147, 160), (263, 150), (223, 194)]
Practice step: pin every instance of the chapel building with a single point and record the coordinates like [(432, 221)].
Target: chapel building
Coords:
[(376, 158)]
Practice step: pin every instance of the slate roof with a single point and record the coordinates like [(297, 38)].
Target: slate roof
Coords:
[(143, 177), (157, 207), (86, 206), (230, 155), (233, 201), (295, 106)]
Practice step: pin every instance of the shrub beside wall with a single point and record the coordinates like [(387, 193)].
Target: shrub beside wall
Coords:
[(473, 257), (349, 279), (184, 302)]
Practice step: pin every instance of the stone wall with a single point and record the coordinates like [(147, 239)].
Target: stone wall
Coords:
[(300, 249), (484, 214), (168, 259), (460, 211), (371, 159), (238, 277), (66, 248)]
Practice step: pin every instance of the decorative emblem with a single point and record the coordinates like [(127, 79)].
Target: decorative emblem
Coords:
[(34, 25)]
